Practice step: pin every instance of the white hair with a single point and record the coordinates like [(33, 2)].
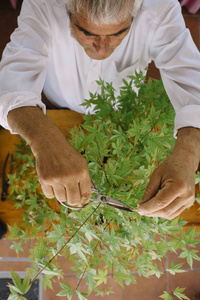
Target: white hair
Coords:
[(104, 11)]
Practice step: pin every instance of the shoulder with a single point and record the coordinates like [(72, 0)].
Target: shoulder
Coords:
[(41, 9), (47, 3), (159, 4), (158, 8)]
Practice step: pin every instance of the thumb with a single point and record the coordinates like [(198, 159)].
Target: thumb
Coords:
[(151, 189)]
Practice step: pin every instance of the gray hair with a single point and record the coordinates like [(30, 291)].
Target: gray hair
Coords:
[(104, 11)]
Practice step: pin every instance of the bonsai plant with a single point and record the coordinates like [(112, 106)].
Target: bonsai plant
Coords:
[(123, 143)]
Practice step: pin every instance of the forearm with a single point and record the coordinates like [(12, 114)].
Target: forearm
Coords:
[(187, 146), (35, 127)]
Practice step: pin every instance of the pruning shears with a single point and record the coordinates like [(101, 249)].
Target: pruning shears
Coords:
[(5, 184), (101, 198)]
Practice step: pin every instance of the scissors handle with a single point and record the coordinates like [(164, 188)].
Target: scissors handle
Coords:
[(103, 199), (73, 207)]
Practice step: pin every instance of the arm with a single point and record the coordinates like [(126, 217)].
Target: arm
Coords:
[(172, 186), (178, 60), (61, 169), (24, 60)]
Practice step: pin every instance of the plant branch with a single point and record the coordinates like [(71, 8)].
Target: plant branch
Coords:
[(95, 248), (102, 164), (62, 247)]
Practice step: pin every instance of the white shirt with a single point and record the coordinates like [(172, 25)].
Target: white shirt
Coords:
[(42, 55)]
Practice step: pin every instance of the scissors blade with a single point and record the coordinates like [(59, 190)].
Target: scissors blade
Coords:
[(112, 202)]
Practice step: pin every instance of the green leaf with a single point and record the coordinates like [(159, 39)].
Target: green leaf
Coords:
[(179, 293), (16, 297), (190, 255), (91, 283), (124, 234), (197, 177), (48, 270), (82, 296), (197, 198), (57, 234), (13, 297), (17, 247), (14, 289), (46, 281), (101, 277), (21, 287), (40, 250), (190, 236), (173, 269), (166, 296), (155, 271), (120, 278), (89, 234), (17, 281), (66, 291), (80, 250), (26, 283)]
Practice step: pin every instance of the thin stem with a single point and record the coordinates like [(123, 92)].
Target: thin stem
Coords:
[(102, 164), (85, 269), (95, 248), (62, 247)]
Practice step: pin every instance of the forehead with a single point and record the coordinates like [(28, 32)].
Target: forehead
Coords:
[(82, 21)]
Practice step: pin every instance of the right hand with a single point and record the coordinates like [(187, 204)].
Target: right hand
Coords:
[(63, 172)]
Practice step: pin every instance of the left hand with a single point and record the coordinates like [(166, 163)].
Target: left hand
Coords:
[(170, 191), (172, 186)]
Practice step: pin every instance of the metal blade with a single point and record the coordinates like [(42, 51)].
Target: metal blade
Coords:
[(113, 202)]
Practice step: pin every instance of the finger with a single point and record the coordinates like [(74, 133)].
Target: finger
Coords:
[(167, 212), (163, 198), (73, 194), (165, 215), (186, 204), (60, 192), (48, 191), (151, 189), (177, 213), (85, 190), (173, 209)]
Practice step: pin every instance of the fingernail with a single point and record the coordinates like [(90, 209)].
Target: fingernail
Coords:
[(84, 201), (140, 211)]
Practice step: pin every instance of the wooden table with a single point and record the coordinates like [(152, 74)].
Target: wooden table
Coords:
[(65, 120)]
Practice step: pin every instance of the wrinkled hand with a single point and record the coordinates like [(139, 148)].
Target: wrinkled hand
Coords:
[(63, 172), (171, 189)]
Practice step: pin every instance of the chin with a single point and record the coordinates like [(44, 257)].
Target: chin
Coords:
[(97, 56)]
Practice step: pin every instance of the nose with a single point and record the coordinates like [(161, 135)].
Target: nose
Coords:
[(101, 44)]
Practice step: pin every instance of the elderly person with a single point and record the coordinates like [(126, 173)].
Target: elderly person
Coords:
[(62, 47)]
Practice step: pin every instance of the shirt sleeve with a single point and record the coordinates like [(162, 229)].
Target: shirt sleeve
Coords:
[(24, 60), (178, 60)]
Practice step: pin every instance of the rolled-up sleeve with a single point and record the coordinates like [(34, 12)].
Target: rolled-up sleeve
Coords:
[(178, 60), (24, 60)]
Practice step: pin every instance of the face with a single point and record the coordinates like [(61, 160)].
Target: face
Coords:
[(98, 41)]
